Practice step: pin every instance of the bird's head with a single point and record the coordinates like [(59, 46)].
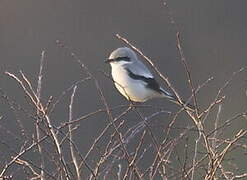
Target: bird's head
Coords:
[(123, 55)]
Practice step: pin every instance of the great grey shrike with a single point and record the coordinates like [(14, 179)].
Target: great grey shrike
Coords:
[(133, 79)]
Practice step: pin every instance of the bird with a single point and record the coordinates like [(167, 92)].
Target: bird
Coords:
[(134, 80)]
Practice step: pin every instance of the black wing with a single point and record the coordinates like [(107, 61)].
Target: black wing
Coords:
[(151, 82)]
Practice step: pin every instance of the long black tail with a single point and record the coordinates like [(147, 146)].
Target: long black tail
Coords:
[(183, 104), (174, 99)]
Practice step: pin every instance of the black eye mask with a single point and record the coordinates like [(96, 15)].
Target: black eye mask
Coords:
[(122, 59), (125, 58)]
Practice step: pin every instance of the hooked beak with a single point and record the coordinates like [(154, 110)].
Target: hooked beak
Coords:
[(109, 60)]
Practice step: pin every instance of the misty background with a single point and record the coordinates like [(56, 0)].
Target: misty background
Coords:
[(213, 36)]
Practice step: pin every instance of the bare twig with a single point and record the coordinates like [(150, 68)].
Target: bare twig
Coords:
[(38, 132), (72, 150), (182, 57), (34, 99), (216, 126)]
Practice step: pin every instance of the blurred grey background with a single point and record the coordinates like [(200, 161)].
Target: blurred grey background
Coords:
[(213, 36)]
